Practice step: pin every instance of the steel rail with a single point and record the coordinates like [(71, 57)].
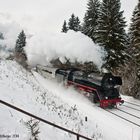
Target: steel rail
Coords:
[(131, 107), (132, 103), (123, 118), (128, 113)]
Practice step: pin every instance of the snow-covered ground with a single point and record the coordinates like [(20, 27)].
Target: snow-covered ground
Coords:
[(54, 102)]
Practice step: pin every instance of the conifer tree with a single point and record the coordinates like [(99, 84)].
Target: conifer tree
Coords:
[(71, 22), (77, 24), (74, 23), (91, 19), (135, 49), (111, 33), (135, 36), (21, 43), (1, 36), (130, 70), (64, 28)]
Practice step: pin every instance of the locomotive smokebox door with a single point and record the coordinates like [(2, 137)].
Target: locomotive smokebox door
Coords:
[(117, 80)]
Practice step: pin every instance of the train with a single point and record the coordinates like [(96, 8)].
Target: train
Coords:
[(101, 89)]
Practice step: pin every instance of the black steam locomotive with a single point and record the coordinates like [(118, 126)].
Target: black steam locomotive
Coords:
[(100, 89)]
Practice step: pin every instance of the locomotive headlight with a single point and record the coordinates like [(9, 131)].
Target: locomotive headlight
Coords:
[(106, 97)]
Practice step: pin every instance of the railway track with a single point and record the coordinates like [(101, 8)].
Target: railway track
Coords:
[(128, 113), (134, 104), (131, 118), (131, 107)]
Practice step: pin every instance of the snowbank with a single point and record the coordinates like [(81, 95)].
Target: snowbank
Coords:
[(21, 89), (105, 125), (53, 102), (43, 47)]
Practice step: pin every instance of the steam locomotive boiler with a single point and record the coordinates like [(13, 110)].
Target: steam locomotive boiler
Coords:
[(102, 89)]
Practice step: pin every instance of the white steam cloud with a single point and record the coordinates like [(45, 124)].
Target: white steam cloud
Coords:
[(43, 47), (10, 30)]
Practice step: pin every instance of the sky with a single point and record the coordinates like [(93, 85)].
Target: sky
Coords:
[(49, 15)]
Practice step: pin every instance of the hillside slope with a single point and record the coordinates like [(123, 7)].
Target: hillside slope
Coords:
[(21, 89), (56, 103)]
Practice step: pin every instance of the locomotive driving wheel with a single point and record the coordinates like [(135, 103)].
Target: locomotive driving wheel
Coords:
[(94, 97)]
